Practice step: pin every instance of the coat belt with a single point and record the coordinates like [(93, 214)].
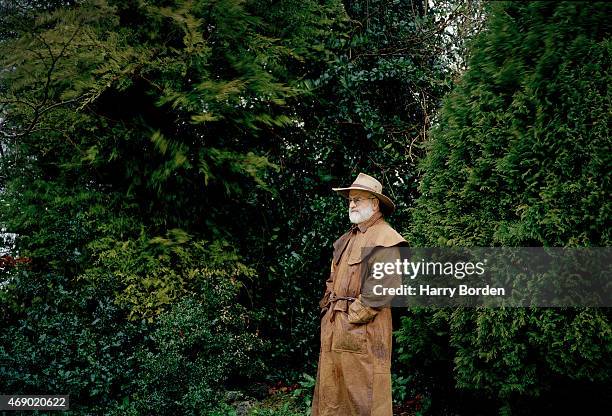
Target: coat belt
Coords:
[(333, 298)]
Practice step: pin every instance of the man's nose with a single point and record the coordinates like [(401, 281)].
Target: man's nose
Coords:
[(352, 203)]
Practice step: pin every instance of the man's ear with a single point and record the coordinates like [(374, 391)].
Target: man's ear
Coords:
[(376, 204)]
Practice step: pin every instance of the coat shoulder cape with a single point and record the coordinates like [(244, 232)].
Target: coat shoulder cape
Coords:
[(379, 234)]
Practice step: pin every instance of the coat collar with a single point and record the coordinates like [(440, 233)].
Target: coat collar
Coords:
[(363, 226), (341, 243)]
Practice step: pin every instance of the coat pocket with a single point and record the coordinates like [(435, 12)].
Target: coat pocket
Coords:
[(348, 337)]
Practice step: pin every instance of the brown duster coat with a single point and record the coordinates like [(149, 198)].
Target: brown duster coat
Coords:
[(354, 372)]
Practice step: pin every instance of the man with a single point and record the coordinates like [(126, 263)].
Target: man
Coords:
[(354, 372)]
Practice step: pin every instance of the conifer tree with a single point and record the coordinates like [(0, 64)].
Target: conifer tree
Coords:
[(521, 156)]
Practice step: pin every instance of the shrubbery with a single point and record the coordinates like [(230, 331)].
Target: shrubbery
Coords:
[(520, 157), (167, 168), (74, 337)]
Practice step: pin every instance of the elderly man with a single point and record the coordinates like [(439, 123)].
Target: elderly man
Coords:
[(354, 372)]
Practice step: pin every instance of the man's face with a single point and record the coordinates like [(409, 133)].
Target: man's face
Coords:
[(362, 205)]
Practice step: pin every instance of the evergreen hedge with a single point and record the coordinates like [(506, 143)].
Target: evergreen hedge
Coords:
[(521, 156)]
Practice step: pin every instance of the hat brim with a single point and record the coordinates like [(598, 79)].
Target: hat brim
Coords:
[(386, 201)]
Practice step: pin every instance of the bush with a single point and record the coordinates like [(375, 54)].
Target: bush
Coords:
[(197, 346), (521, 157), (67, 339)]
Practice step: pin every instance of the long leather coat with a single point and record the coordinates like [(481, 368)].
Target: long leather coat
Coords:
[(354, 371)]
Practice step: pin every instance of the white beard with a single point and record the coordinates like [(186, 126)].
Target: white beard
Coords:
[(361, 215)]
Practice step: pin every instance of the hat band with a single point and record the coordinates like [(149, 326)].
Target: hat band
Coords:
[(365, 188)]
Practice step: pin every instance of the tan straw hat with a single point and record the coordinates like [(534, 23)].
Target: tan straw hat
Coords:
[(367, 183)]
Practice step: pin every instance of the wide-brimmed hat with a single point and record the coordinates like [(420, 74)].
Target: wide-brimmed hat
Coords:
[(367, 183)]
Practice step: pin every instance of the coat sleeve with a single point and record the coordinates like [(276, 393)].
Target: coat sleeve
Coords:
[(384, 279), (360, 313), (369, 304), (329, 286)]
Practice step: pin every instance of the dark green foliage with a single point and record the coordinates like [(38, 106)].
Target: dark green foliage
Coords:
[(134, 132), (521, 153), (167, 165), (423, 339), (128, 131), (362, 113), (521, 156), (65, 337), (66, 319), (194, 350)]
